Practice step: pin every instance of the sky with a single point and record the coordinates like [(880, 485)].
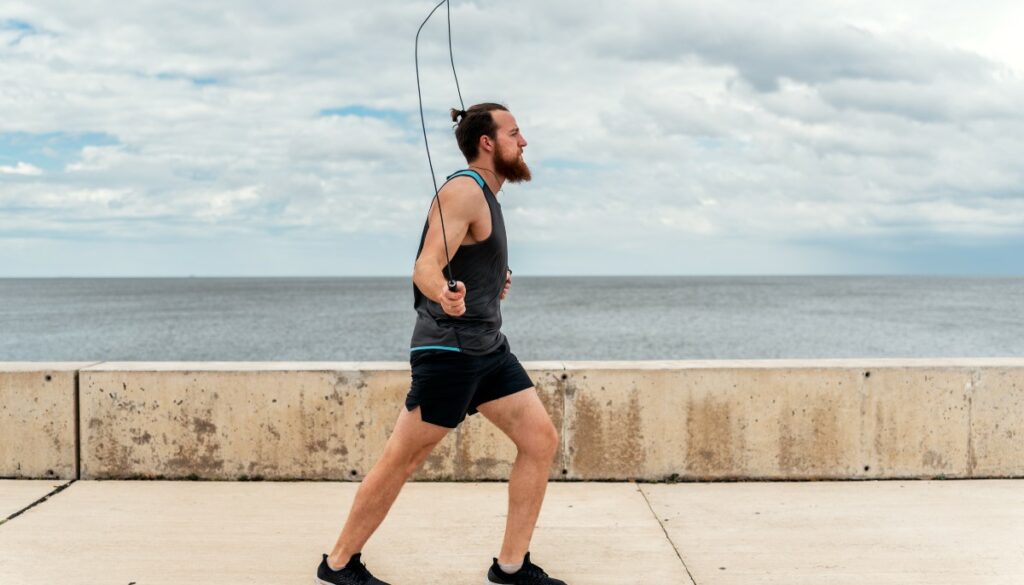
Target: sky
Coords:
[(257, 138)]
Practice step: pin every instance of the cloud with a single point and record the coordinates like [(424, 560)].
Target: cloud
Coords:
[(764, 51), (21, 168), (361, 111), (657, 133)]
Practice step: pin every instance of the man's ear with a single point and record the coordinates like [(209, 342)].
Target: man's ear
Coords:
[(486, 143)]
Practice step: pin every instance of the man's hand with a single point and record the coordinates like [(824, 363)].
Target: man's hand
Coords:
[(508, 284), (453, 303)]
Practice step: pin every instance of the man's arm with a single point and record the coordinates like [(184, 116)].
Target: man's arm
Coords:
[(459, 204)]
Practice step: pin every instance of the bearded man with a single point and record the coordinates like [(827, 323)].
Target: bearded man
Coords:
[(461, 361)]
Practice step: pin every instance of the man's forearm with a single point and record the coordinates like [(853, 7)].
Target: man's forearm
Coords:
[(428, 276)]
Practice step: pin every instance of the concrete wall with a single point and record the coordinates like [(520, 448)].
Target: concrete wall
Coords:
[(38, 417), (274, 421), (700, 420)]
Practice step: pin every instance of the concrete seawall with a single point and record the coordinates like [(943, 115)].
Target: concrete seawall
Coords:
[(671, 420)]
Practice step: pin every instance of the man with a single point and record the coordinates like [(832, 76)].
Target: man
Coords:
[(461, 362)]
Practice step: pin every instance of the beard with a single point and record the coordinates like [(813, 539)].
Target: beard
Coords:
[(511, 166)]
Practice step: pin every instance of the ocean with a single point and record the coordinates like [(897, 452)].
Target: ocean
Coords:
[(545, 318)]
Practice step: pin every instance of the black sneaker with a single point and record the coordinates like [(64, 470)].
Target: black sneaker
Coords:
[(354, 573), (528, 574)]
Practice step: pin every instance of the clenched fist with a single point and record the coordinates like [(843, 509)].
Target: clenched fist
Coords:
[(453, 303)]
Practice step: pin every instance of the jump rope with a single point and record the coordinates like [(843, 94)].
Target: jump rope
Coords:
[(451, 279)]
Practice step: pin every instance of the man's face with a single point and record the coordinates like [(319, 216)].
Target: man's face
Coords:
[(508, 152)]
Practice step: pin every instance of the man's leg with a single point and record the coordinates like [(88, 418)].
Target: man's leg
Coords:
[(523, 418), (410, 443)]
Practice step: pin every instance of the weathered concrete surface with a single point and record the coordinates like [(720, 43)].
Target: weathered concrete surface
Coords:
[(793, 419), (17, 494), (962, 532), (158, 532), (901, 532), (705, 420), (238, 420), (996, 442), (37, 419), (274, 421)]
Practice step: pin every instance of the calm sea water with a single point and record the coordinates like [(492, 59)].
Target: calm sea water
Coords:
[(545, 318)]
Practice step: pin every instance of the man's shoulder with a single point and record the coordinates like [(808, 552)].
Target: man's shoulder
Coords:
[(465, 181), (461, 190)]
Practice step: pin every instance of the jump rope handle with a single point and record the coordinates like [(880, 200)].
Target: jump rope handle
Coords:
[(451, 286)]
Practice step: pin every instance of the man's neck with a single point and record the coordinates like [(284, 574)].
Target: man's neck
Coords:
[(493, 179)]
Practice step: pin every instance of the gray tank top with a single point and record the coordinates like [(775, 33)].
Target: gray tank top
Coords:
[(481, 266)]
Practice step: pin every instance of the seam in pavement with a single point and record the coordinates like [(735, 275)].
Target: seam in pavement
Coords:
[(667, 537), (37, 502)]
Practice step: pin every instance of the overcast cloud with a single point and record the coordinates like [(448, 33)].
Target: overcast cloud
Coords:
[(268, 138)]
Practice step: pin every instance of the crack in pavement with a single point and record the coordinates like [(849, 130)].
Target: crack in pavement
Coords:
[(667, 537), (57, 490)]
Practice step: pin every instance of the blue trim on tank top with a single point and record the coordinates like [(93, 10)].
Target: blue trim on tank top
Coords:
[(468, 173), (445, 347)]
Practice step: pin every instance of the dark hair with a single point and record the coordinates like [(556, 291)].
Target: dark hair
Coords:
[(475, 122)]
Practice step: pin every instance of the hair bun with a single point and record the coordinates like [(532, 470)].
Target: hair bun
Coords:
[(456, 114)]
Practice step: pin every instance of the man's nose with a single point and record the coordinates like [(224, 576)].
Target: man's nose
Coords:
[(522, 141)]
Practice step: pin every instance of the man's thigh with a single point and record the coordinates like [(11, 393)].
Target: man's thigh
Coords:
[(412, 434), (522, 417)]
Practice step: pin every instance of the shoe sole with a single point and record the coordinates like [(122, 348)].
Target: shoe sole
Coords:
[(318, 581)]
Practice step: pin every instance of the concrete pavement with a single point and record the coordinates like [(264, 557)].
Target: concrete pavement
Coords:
[(905, 532)]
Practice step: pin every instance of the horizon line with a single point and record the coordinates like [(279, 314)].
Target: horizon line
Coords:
[(677, 275)]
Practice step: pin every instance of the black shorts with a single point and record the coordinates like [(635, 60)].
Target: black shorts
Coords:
[(447, 385)]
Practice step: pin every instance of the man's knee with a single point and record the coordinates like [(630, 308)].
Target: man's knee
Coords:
[(552, 438), (543, 441)]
